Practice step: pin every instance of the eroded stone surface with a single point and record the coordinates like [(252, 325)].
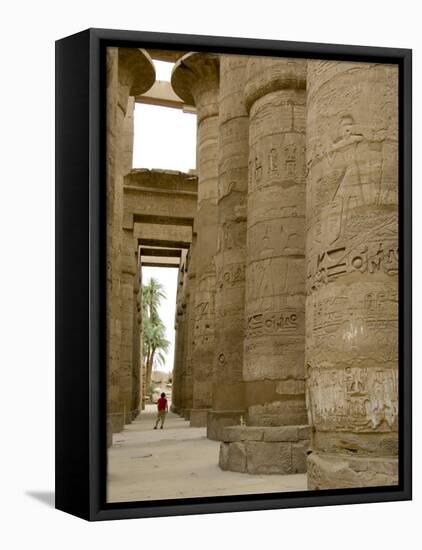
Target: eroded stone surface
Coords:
[(198, 417), (129, 72), (340, 471), (195, 79), (261, 318), (230, 259), (217, 421), (352, 267), (275, 266)]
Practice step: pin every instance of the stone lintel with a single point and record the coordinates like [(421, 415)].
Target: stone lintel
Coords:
[(157, 180), (164, 243), (161, 252), (130, 219), (162, 94), (159, 264), (170, 56)]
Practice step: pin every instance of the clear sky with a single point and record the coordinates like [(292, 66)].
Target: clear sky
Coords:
[(164, 138)]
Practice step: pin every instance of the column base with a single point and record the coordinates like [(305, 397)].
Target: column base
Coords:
[(109, 433), (185, 413), (342, 471), (198, 418), (265, 450), (134, 414), (218, 420), (115, 423)]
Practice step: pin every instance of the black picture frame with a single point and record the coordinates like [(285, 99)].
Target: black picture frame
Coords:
[(81, 283)]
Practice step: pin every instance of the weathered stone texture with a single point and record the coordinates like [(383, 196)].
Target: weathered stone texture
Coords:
[(127, 282), (198, 417), (232, 457), (275, 269), (287, 304), (218, 420), (129, 73), (260, 450), (340, 471), (195, 79), (230, 259), (179, 348), (352, 268), (189, 341)]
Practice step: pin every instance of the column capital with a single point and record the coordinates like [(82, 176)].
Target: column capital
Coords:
[(195, 79), (270, 74), (136, 73)]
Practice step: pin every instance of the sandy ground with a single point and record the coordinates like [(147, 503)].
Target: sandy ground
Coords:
[(178, 462)]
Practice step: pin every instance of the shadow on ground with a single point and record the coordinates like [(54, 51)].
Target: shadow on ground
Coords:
[(45, 497)]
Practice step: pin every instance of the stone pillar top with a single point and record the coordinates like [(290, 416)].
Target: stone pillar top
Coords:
[(136, 69), (195, 79), (136, 73), (269, 74)]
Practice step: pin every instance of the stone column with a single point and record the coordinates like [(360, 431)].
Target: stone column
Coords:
[(277, 436), (195, 79), (130, 72), (352, 268), (127, 283), (179, 341), (189, 336), (228, 396), (141, 338), (136, 342)]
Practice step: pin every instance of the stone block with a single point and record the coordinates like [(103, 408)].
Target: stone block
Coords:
[(252, 433), (232, 433), (243, 433), (217, 421), (223, 458), (304, 432), (340, 471), (268, 457), (281, 433), (299, 456), (233, 457)]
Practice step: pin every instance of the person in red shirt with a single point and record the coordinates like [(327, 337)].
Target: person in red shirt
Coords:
[(162, 410)]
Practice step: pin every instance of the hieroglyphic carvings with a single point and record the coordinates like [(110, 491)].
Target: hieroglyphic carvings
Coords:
[(275, 269), (195, 79), (353, 398), (352, 253), (231, 239), (270, 323)]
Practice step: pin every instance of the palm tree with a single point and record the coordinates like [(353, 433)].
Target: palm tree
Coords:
[(152, 294), (155, 345)]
